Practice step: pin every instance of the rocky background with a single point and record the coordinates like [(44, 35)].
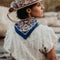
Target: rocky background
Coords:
[(51, 18)]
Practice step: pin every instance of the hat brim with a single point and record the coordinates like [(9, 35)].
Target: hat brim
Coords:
[(13, 17)]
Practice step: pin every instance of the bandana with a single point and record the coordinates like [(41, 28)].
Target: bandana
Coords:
[(25, 27)]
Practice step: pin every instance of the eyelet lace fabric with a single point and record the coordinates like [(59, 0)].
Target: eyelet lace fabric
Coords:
[(22, 49)]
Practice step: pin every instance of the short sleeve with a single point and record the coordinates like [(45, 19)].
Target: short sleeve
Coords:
[(8, 41), (53, 39), (49, 39), (53, 36)]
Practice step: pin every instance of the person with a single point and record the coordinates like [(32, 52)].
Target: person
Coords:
[(27, 39)]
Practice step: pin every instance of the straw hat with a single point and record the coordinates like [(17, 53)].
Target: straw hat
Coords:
[(19, 4)]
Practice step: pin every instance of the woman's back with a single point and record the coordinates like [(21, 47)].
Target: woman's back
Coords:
[(39, 42)]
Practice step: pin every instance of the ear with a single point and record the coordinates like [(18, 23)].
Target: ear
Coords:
[(28, 10)]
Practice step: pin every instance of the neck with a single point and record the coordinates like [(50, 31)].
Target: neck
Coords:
[(29, 16)]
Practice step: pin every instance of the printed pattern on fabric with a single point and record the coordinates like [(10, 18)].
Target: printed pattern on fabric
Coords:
[(25, 28)]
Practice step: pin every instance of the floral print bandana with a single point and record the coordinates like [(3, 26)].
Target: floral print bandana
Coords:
[(25, 27)]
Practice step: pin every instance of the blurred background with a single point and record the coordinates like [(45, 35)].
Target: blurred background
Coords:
[(51, 18)]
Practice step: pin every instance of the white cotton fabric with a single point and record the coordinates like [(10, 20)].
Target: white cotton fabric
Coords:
[(21, 49)]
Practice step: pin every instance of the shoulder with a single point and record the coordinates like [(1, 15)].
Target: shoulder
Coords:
[(45, 27), (10, 30), (10, 33)]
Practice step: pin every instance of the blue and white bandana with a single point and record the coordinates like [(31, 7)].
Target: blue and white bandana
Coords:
[(25, 28)]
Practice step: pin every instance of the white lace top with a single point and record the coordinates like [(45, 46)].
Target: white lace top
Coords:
[(43, 37)]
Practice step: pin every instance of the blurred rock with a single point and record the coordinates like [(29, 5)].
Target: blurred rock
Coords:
[(5, 23), (50, 14), (58, 15), (57, 8)]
